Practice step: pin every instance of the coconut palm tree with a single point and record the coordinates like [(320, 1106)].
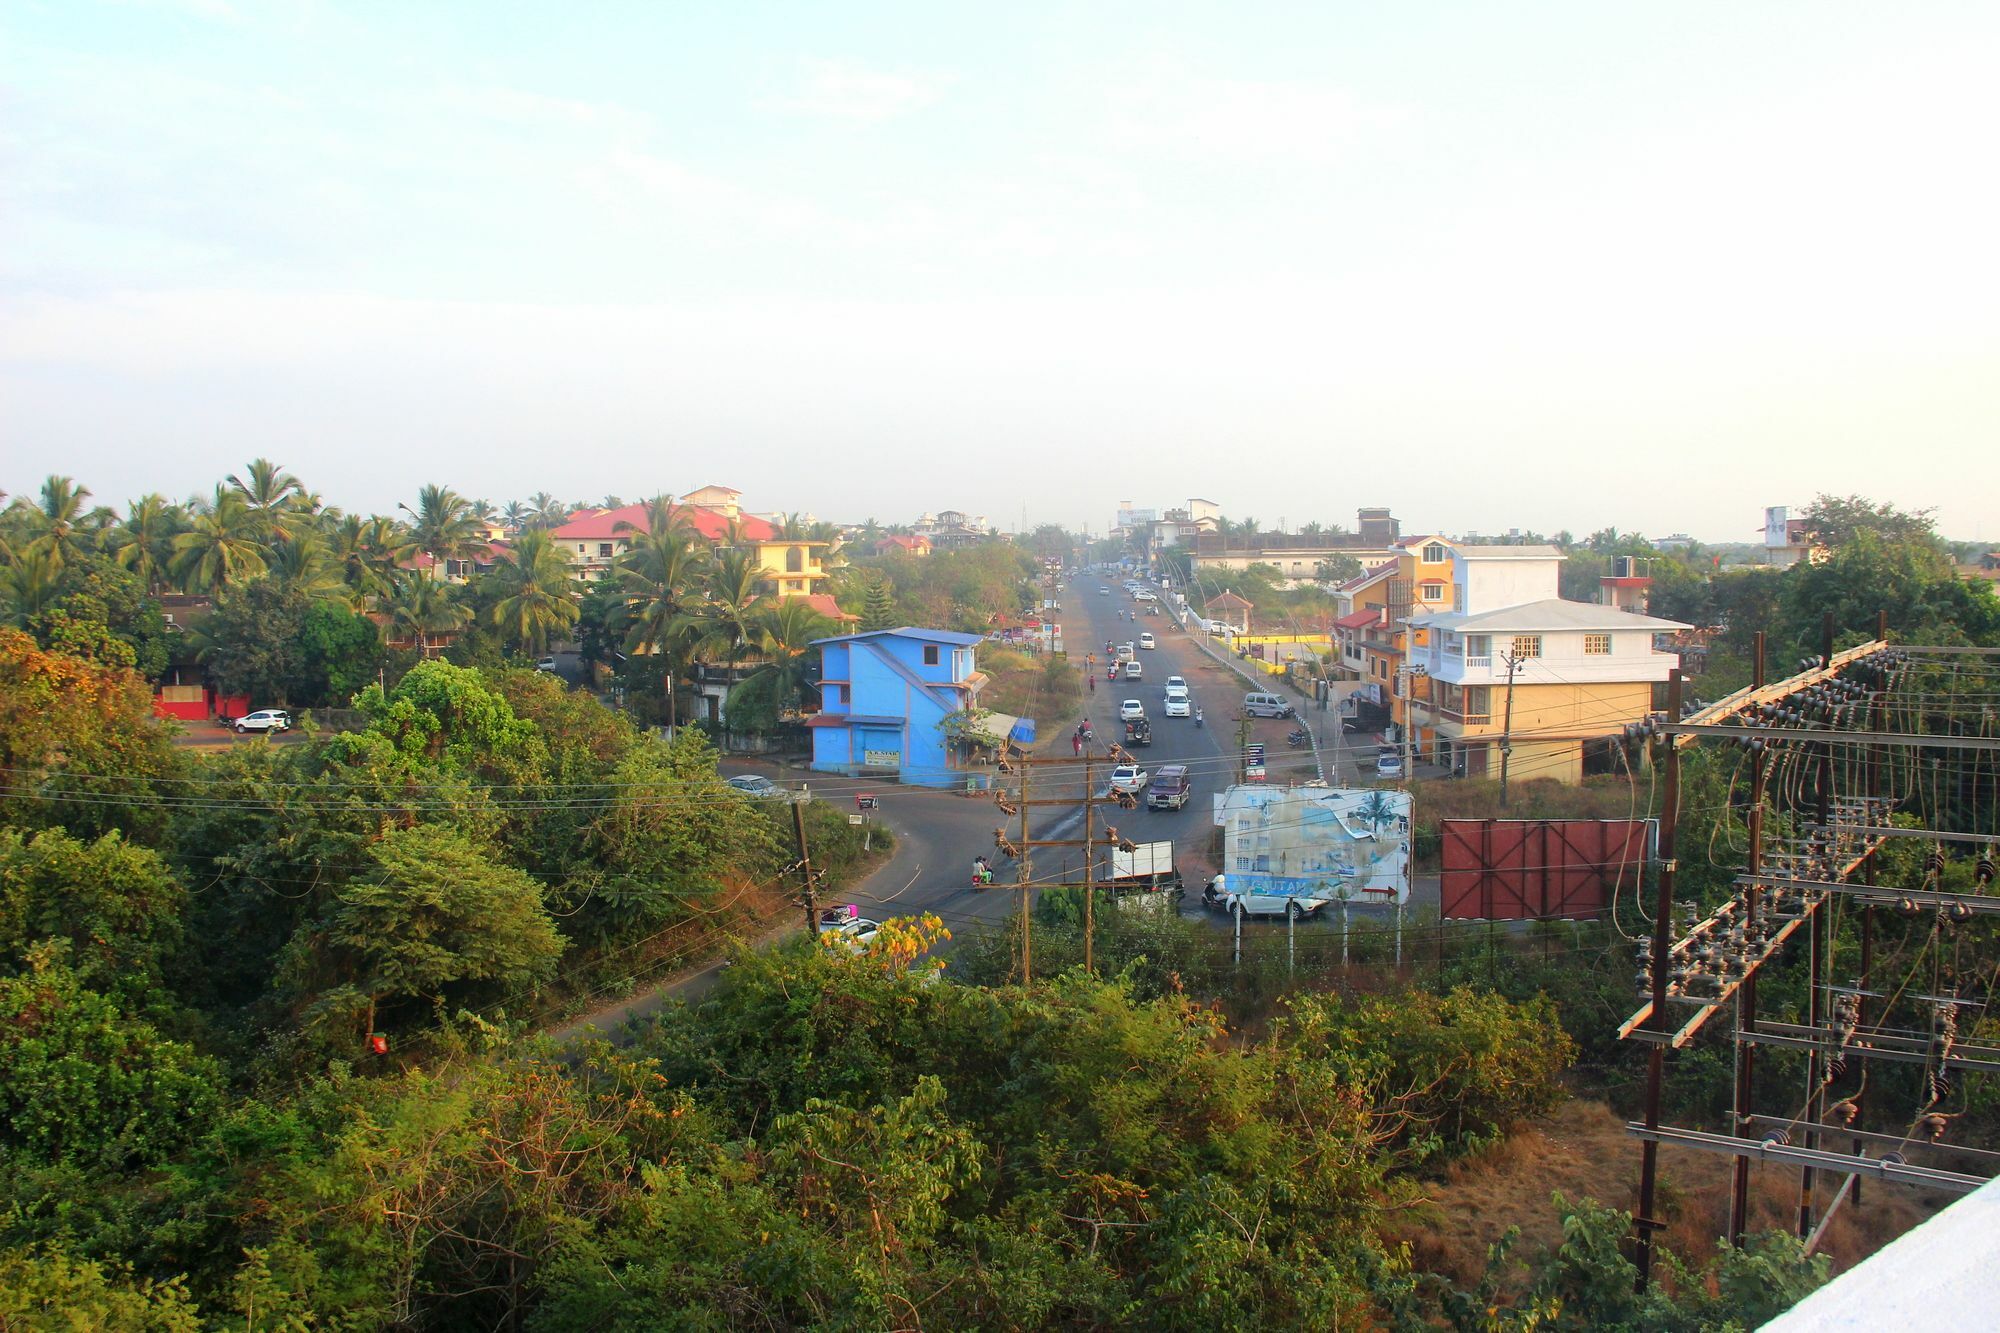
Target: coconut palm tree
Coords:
[(549, 511), (660, 575), (785, 630), (28, 580), (728, 609), (57, 524), (421, 609), (517, 515), (441, 526), (224, 545), (144, 542), (540, 594), (484, 513), (265, 485), (306, 563)]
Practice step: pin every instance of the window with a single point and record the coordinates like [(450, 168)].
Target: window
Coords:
[(1434, 553), (930, 654), (1479, 645), (795, 559), (1431, 592), (1526, 645), (579, 548), (1596, 645), (604, 549)]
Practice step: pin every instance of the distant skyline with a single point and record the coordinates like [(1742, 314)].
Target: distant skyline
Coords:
[(1541, 266)]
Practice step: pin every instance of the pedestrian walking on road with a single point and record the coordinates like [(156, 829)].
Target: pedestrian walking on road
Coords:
[(1076, 744)]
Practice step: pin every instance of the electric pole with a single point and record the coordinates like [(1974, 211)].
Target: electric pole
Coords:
[(1021, 850), (808, 891), (1507, 726)]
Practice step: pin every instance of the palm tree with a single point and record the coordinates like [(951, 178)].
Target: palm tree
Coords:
[(363, 551), (28, 581), (56, 522), (422, 608), (224, 545), (549, 511), (659, 574), (611, 502), (306, 564), (144, 542), (265, 485), (442, 525), (785, 630), (484, 512), (540, 598), (517, 515), (734, 586)]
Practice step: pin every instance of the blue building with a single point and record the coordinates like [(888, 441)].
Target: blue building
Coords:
[(884, 699)]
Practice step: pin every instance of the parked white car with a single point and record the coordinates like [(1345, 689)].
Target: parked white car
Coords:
[(1129, 777), (265, 720), (1131, 710), (1388, 764), (1147, 641)]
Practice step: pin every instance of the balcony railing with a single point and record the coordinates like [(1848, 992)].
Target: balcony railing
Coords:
[(1465, 719), (1485, 661)]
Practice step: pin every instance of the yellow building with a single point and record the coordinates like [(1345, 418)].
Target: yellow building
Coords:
[(795, 567), (1375, 640)]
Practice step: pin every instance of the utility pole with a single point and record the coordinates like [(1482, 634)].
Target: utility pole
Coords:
[(1746, 994), (1242, 740), (1022, 878), (1023, 849), (1663, 939), (1089, 866), (1507, 726), (808, 890), (1409, 673)]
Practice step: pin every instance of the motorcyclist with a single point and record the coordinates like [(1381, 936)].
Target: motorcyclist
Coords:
[(1197, 717), (982, 873)]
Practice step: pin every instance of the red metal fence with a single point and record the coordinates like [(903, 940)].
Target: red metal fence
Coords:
[(1528, 869)]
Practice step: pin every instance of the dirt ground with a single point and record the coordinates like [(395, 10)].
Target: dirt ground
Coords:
[(1583, 1151)]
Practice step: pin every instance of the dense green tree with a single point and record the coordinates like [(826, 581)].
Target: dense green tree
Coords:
[(445, 716), (52, 1290), (878, 604), (441, 526), (674, 831), (81, 1080), (101, 613), (776, 688), (118, 907), (274, 643), (79, 746), (435, 911)]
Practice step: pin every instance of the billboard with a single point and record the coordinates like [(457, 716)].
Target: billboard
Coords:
[(1311, 845), (1532, 869)]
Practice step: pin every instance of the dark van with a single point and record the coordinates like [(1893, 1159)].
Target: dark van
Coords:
[(1170, 789)]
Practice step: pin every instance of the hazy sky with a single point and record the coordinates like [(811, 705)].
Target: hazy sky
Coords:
[(1493, 264)]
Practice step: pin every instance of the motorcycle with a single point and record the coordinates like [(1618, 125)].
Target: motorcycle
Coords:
[(1297, 738), (1197, 717)]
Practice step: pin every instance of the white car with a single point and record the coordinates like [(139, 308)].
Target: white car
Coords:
[(1131, 710), (1104, 592), (1129, 777), (1146, 641), (1177, 683), (1179, 705), (1388, 764), (265, 720), (1143, 596)]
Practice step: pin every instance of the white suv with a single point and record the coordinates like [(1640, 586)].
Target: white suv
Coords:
[(264, 719)]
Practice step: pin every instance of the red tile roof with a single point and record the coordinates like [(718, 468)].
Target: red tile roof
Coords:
[(630, 520), (1359, 619), (823, 603)]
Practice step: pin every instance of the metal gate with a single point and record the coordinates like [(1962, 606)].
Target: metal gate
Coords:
[(1530, 869)]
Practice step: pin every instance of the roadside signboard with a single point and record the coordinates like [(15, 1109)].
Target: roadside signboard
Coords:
[(854, 819), (1254, 772)]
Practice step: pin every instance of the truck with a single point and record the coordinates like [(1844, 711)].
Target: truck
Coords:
[(1147, 871)]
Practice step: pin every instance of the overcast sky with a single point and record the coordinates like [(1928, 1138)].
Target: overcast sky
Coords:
[(1492, 264)]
